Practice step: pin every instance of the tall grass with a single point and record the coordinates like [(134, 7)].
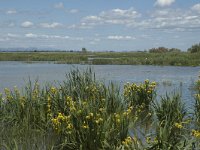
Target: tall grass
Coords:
[(83, 113)]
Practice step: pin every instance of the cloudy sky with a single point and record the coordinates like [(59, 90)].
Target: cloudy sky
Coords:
[(99, 24)]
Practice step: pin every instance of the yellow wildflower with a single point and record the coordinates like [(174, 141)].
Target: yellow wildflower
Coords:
[(69, 126), (179, 125), (85, 126), (91, 114), (146, 81), (101, 109), (155, 140), (196, 133), (127, 141), (148, 139), (118, 120), (53, 90), (99, 120), (87, 117)]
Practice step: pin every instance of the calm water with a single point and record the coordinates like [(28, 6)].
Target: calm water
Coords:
[(169, 78)]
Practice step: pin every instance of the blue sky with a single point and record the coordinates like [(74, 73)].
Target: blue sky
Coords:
[(99, 25)]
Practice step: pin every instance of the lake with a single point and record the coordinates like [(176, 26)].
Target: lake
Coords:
[(169, 78)]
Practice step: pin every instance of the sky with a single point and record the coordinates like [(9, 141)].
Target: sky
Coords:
[(99, 25)]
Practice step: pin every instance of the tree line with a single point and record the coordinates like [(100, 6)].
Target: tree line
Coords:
[(193, 49)]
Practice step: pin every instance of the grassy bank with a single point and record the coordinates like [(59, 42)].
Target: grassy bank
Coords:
[(98, 58), (86, 114)]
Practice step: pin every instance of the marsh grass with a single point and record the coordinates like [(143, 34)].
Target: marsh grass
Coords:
[(83, 113), (99, 58)]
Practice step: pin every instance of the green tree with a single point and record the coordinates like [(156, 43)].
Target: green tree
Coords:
[(84, 50), (195, 48), (158, 50)]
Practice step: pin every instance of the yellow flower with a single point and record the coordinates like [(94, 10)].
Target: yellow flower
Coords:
[(87, 117), (125, 114), (101, 119), (53, 90), (6, 90), (127, 141), (149, 114), (85, 126), (103, 99), (49, 99), (118, 120), (61, 117), (101, 109), (148, 92), (148, 139), (196, 133), (116, 116), (178, 125), (146, 81), (153, 83), (91, 114), (155, 140), (67, 118), (69, 126), (72, 108), (69, 132)]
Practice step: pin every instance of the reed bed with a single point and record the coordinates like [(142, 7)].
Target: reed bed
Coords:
[(100, 58), (83, 113)]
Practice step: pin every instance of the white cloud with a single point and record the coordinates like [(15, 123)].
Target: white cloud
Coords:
[(73, 11), (4, 39), (82, 25), (196, 7), (11, 12), (27, 24), (163, 19), (46, 36), (31, 35), (11, 35), (93, 18), (114, 16), (51, 25), (59, 5), (173, 19), (119, 37), (164, 3)]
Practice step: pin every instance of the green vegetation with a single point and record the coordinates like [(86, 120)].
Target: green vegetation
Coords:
[(195, 48), (43, 56), (114, 58), (82, 113), (155, 56), (163, 50)]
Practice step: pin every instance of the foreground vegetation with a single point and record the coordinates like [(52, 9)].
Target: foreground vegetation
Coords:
[(172, 58), (82, 113)]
